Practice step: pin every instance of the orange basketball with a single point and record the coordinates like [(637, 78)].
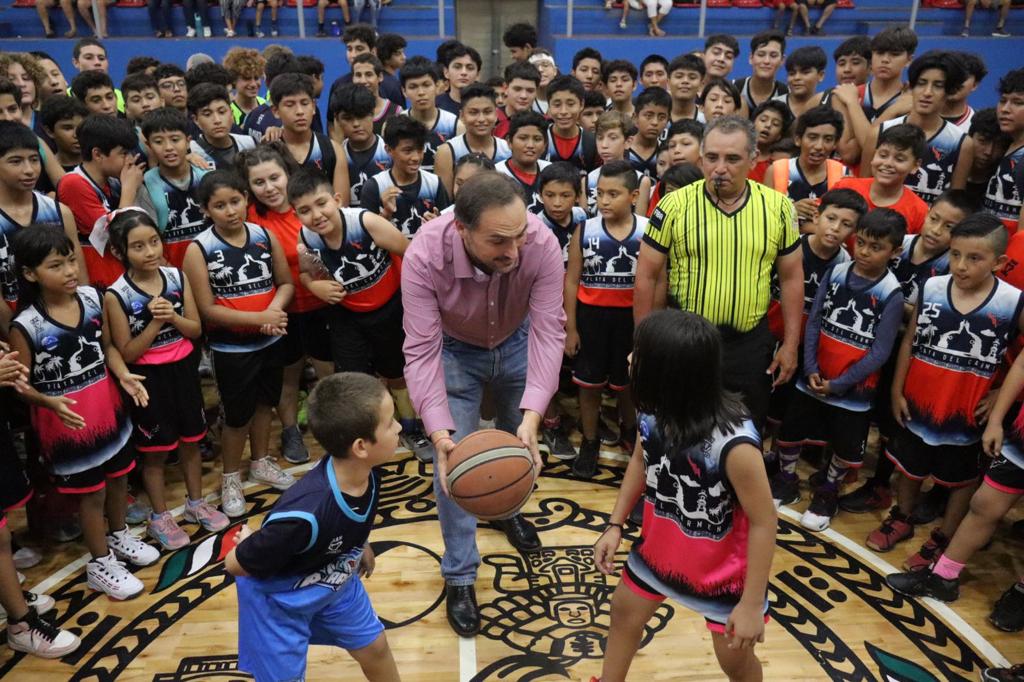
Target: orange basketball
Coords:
[(490, 474)]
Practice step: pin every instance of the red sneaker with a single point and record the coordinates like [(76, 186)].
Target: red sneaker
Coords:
[(929, 553), (895, 529)]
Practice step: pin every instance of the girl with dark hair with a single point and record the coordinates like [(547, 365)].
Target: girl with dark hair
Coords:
[(708, 530)]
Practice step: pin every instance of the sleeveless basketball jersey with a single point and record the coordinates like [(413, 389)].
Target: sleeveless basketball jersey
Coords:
[(648, 166), (321, 156), (564, 234), (369, 274), (337, 533), (530, 186), (169, 345), (204, 150), (963, 121), (69, 362), (241, 278), (848, 319), (592, 178), (790, 180), (940, 158), (414, 201), (824, 100), (363, 165), (912, 276), (101, 267), (779, 89), (44, 210), (814, 270), (1006, 188), (583, 154), (178, 216), (390, 109), (694, 532), (954, 359), (609, 265), (443, 130), (867, 103), (461, 148)]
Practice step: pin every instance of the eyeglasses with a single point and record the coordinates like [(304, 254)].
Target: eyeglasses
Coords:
[(173, 85)]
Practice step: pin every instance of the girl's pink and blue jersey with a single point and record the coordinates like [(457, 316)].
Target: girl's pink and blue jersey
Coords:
[(169, 345), (954, 359), (69, 362)]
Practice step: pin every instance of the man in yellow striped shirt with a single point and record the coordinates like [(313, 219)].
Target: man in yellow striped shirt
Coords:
[(720, 238)]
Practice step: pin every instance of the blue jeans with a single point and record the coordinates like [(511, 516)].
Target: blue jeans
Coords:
[(357, 10), (467, 370)]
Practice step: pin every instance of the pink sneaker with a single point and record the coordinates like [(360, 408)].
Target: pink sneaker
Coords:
[(165, 530), (205, 514)]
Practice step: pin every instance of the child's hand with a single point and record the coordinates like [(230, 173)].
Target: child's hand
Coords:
[(68, 417), (985, 406), (131, 172), (12, 372), (605, 548), (389, 202), (807, 209), (992, 439), (161, 309), (847, 94), (745, 627), (272, 134), (132, 384), (244, 531), (814, 382), (367, 562), (272, 317), (329, 291), (572, 343), (200, 162), (430, 215), (900, 409)]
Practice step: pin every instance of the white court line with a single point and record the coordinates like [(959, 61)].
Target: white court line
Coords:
[(961, 626), (467, 658)]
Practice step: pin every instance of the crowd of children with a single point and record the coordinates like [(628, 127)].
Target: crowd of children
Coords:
[(183, 221)]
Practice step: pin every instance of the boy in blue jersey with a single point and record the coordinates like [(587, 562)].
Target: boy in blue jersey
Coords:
[(298, 577)]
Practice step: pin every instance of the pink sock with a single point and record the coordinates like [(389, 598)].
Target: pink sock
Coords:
[(947, 569)]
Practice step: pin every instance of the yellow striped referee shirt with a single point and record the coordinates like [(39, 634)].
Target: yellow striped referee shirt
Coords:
[(720, 264)]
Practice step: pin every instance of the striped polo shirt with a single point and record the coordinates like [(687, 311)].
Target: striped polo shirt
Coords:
[(720, 264)]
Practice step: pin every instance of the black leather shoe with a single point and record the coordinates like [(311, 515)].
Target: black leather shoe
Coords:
[(520, 533), (463, 614)]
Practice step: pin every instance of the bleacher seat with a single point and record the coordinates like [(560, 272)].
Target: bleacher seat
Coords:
[(305, 3), (944, 4), (24, 3), (130, 3)]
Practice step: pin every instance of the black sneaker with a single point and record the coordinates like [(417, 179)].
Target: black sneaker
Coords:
[(785, 488), (1008, 612), (605, 434), (824, 506), (924, 584), (585, 465), (1011, 674), (930, 506), (868, 498), (557, 440)]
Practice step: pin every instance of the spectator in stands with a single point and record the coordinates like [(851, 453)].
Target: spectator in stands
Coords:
[(141, 64), (197, 9), (853, 60), (359, 5), (654, 72), (720, 53), (246, 67), (55, 83), (586, 67), (391, 52), (803, 9), (260, 4), (23, 70), (1004, 10), (767, 50), (656, 11), (231, 10), (545, 63), (43, 9), (520, 39), (160, 18), (321, 11)]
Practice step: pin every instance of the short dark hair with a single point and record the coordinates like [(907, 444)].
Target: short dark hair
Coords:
[(140, 64), (617, 66), (681, 175), (560, 171), (168, 70), (164, 120), (524, 71), (686, 126), (820, 115), (765, 37), (779, 108), (89, 80), (401, 128), (960, 199), (844, 198), (57, 108), (984, 123), (586, 53), (290, 84), (309, 65), (83, 43), (904, 137), (723, 39), (895, 39), (484, 191), (279, 64), (857, 45), (16, 135), (219, 179), (622, 169), (883, 223), (593, 98), (40, 54), (417, 67), (807, 57), (972, 64), (122, 225), (653, 59), (203, 94), (442, 51), (461, 50), (983, 226), (1012, 82), (361, 32), (306, 181), (137, 82), (105, 133), (371, 59), (567, 84), (474, 159), (474, 90), (688, 62), (520, 34), (344, 408), (945, 62), (653, 97), (722, 84), (208, 72), (526, 119), (389, 44), (352, 101)]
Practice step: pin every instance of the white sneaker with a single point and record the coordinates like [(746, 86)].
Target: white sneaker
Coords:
[(232, 501), (267, 471), (109, 575), (41, 603), (228, 33), (21, 577), (26, 557), (190, 33), (39, 638), (129, 548), (207, 32), (815, 522)]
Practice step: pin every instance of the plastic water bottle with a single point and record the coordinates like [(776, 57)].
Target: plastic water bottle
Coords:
[(199, 24), (335, 29)]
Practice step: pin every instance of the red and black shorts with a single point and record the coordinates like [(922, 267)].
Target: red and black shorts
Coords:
[(951, 466), (91, 480), (175, 411), (810, 421), (369, 342)]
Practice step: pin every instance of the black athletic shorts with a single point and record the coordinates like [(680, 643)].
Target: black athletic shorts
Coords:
[(91, 480), (951, 466), (606, 340), (175, 411), (246, 380), (15, 490), (370, 342), (308, 335), (810, 421)]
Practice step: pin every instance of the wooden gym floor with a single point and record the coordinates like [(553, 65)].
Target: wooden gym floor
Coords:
[(545, 615)]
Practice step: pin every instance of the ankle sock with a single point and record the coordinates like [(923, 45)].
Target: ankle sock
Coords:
[(947, 569)]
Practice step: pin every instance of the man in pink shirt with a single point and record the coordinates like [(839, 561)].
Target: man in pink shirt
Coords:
[(482, 294)]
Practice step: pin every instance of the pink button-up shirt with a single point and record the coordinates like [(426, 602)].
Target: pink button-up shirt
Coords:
[(443, 293)]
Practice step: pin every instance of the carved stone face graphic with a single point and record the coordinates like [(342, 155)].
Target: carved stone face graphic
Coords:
[(573, 611)]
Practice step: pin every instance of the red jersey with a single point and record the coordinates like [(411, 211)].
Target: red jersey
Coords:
[(286, 227), (89, 201)]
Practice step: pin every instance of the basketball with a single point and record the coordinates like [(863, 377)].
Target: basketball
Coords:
[(490, 474)]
